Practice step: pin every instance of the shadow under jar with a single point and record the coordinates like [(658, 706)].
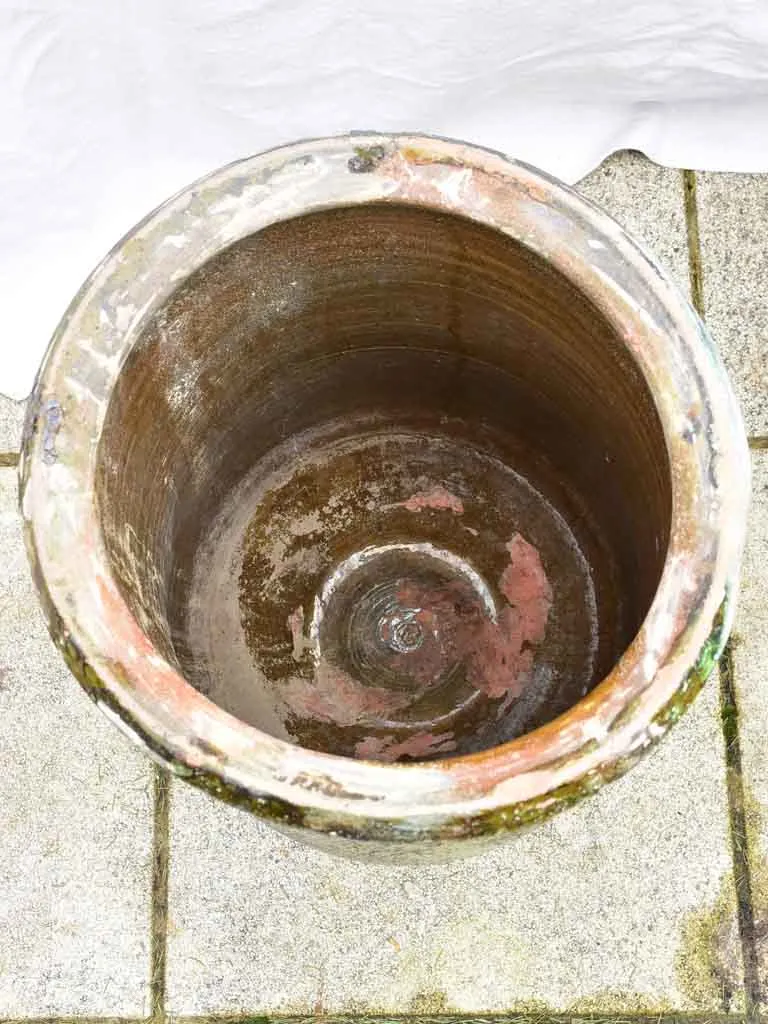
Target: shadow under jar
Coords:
[(388, 482)]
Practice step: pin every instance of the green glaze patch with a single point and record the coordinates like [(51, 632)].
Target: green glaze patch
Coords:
[(701, 671), (414, 155), (532, 811), (366, 159)]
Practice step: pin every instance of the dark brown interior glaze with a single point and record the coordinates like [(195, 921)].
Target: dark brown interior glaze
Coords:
[(382, 482)]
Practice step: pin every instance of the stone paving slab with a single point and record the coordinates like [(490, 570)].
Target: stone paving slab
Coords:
[(733, 224), (11, 422), (750, 672), (648, 201), (75, 823), (624, 903)]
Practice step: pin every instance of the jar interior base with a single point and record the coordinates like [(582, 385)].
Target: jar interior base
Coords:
[(395, 594)]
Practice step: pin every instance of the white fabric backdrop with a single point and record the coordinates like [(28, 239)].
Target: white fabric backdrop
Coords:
[(108, 106)]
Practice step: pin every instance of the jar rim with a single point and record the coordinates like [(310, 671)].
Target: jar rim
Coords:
[(497, 789)]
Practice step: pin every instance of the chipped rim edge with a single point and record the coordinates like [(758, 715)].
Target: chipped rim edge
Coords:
[(491, 791)]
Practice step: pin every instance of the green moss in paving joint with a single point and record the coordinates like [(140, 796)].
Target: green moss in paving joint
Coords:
[(534, 1010), (73, 1020), (159, 920), (675, 1017), (430, 1003), (694, 241), (758, 868), (738, 828), (247, 1019), (709, 962), (614, 1001)]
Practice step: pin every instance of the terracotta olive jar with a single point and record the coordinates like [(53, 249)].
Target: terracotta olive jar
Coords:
[(383, 486)]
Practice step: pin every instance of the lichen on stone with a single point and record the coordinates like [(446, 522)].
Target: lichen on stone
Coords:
[(709, 964)]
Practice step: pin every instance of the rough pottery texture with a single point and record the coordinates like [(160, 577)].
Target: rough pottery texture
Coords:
[(384, 487)]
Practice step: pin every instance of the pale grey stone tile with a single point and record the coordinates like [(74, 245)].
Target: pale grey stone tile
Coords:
[(75, 823), (733, 224), (605, 908), (625, 903), (750, 673), (647, 200), (11, 423)]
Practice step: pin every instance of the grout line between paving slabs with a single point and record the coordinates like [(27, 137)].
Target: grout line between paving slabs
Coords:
[(475, 1018), (729, 710), (695, 274), (64, 1019), (739, 845), (443, 1018), (159, 910), (480, 1018)]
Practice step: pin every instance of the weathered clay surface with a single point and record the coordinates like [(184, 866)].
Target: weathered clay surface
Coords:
[(386, 286), (433, 634)]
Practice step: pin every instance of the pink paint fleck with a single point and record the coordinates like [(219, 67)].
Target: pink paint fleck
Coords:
[(420, 745), (525, 585), (437, 498), (334, 696), (502, 660), (450, 616), (295, 625), (498, 665), (498, 656)]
